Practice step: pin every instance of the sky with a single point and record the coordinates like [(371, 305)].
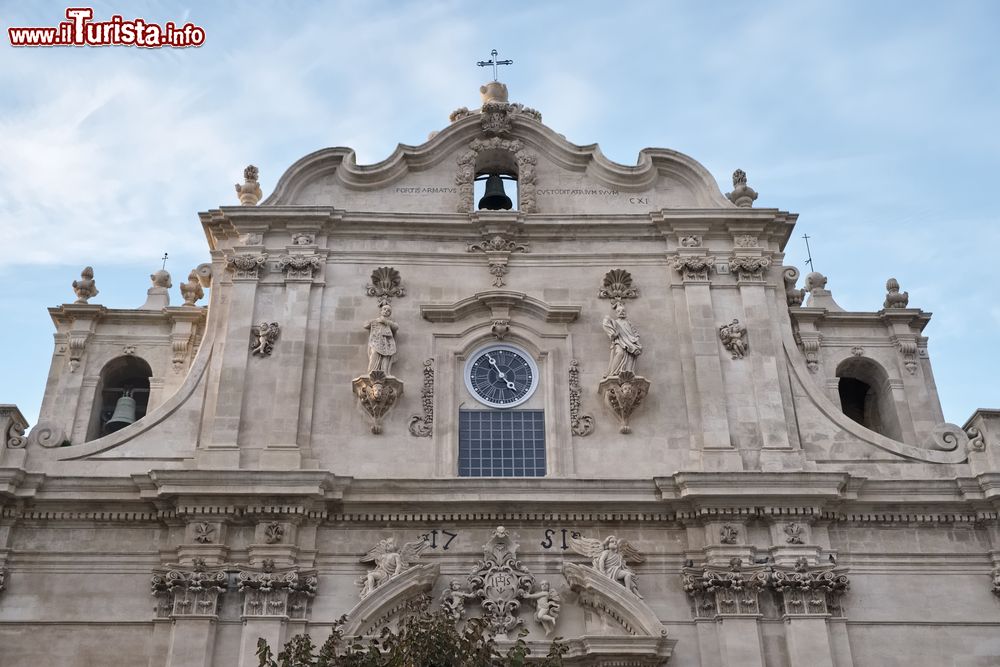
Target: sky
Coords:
[(875, 122)]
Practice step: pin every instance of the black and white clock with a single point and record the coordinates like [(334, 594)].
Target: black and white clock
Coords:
[(501, 376)]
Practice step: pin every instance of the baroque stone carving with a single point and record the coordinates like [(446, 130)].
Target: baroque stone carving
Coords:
[(728, 534), (188, 590), (12, 426), (749, 268), (302, 238), (793, 296), (582, 425), (894, 298), (423, 426), (625, 345), (734, 339), (623, 394), (611, 557), (85, 288), (381, 340), (617, 285), (300, 267), (274, 532), (204, 533), (547, 605), (263, 336), (746, 241), (694, 268), (128, 350), (377, 394), (501, 581), (808, 589), (996, 581), (716, 591), (386, 283), (500, 328), (267, 592), (453, 600), (76, 343), (977, 442), (498, 250), (908, 349), (793, 533), (47, 434), (249, 193), (191, 290), (526, 172), (247, 265), (690, 241), (742, 194), (390, 561), (3, 579)]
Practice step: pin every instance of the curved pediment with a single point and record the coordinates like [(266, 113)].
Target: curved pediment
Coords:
[(611, 599), (566, 178), (500, 304), (390, 599)]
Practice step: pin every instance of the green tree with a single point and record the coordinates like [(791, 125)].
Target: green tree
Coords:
[(424, 639)]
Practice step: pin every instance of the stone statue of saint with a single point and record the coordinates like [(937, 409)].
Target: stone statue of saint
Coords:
[(381, 341), (625, 345)]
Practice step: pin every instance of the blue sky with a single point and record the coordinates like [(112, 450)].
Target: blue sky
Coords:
[(876, 122)]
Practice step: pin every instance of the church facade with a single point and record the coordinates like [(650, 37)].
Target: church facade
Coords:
[(594, 404)]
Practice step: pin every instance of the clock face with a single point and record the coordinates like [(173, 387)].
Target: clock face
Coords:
[(501, 376)]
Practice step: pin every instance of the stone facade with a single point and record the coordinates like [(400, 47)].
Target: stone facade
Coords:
[(757, 478)]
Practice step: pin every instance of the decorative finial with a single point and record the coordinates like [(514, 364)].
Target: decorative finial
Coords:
[(494, 63), (158, 296), (894, 298), (164, 258), (249, 192), (192, 289), (742, 195), (85, 287)]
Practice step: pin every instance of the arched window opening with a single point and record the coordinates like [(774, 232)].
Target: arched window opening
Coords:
[(121, 397), (866, 397)]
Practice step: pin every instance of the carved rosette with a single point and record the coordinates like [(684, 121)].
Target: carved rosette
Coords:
[(582, 425), (386, 283), (749, 269), (246, 265), (617, 285), (526, 172), (423, 426), (377, 394), (694, 268), (188, 590), (501, 582), (282, 593), (623, 394), (498, 249), (299, 267)]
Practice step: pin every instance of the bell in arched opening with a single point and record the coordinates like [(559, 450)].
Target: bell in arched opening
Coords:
[(124, 413), (495, 199)]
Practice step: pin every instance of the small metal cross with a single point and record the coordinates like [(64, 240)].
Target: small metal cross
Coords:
[(493, 62), (164, 258), (809, 252)]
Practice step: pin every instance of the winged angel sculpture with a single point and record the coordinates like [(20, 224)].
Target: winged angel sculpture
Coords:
[(263, 337), (611, 557), (390, 561)]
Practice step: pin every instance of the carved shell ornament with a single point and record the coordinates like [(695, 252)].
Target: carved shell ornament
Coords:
[(386, 283), (617, 285)]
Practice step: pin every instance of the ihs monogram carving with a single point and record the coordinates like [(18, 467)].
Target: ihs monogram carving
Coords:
[(694, 268), (204, 533), (617, 285), (246, 266), (582, 425), (423, 426), (734, 339), (728, 534), (263, 336), (390, 561), (749, 268), (274, 532), (793, 533), (301, 267), (501, 582), (498, 249), (377, 394), (249, 193), (267, 592), (386, 283)]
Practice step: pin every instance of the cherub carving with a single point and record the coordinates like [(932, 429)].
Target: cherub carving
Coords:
[(263, 337), (390, 561), (453, 600), (85, 287), (611, 557), (546, 606), (734, 338)]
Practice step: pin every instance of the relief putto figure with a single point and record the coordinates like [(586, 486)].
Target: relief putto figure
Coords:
[(734, 338), (611, 557), (381, 340), (453, 600), (390, 561), (263, 337), (546, 606), (625, 345)]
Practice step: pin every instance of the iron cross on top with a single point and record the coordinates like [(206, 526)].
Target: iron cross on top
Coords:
[(493, 62)]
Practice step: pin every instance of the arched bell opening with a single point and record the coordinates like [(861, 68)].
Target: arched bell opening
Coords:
[(121, 397), (866, 396), (495, 187)]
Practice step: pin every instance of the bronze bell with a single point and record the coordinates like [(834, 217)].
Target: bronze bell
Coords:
[(124, 413), (495, 198)]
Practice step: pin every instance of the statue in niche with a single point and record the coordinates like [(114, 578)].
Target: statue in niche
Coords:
[(625, 345), (390, 561), (85, 287), (611, 557), (453, 600), (381, 340), (546, 606)]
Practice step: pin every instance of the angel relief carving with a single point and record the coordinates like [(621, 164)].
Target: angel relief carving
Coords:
[(611, 557), (263, 336), (390, 561)]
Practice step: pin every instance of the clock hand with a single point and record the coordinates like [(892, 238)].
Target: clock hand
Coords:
[(510, 385), (500, 373)]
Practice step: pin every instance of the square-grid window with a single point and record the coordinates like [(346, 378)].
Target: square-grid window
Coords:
[(501, 443)]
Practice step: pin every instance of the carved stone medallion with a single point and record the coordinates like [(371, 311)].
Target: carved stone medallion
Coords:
[(501, 582)]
